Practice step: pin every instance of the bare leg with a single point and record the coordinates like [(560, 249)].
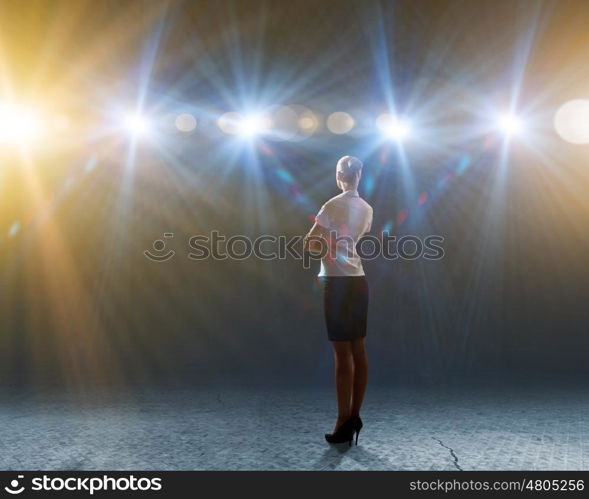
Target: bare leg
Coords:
[(360, 375), (344, 379)]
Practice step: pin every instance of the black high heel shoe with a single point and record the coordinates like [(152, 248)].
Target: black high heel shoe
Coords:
[(345, 433), (357, 425)]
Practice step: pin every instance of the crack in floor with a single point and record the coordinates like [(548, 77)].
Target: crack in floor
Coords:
[(452, 453)]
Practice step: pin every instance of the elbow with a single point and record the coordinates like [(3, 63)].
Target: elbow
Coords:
[(312, 244)]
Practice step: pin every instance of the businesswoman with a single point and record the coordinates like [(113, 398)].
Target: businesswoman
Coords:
[(340, 223)]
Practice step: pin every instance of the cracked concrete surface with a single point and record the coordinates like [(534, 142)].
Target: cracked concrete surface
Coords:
[(231, 428), (452, 453)]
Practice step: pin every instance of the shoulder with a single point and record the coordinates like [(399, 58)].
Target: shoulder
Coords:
[(366, 205), (334, 201)]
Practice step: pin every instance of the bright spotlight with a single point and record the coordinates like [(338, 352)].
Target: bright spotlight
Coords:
[(252, 125), (18, 124), (509, 124), (393, 127), (136, 124)]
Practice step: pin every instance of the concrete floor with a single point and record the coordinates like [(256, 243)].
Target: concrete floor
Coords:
[(282, 429)]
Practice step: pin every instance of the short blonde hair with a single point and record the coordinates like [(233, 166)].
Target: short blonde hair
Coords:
[(349, 166)]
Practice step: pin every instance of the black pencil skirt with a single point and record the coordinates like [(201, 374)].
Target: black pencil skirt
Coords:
[(345, 302)]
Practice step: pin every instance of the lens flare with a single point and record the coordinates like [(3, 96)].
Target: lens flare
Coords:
[(510, 124), (340, 123), (137, 124), (393, 127), (246, 126), (229, 123), (185, 122), (18, 124), (14, 228), (571, 121), (252, 125)]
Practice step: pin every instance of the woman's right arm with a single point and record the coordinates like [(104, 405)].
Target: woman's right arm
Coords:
[(315, 239)]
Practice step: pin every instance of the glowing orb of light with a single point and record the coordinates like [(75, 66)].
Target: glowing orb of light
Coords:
[(340, 122), (18, 124), (307, 122), (393, 127), (252, 125), (229, 123), (292, 122), (185, 122), (136, 124), (509, 124), (571, 121)]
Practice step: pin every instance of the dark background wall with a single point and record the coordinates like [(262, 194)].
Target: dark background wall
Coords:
[(80, 303)]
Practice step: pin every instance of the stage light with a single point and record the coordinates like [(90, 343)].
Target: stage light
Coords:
[(509, 124), (571, 121), (18, 125), (340, 123), (251, 125), (185, 122), (136, 124), (393, 127)]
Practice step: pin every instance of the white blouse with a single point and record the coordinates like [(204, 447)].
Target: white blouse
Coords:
[(347, 217)]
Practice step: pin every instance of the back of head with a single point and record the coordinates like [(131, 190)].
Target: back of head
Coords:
[(349, 167)]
